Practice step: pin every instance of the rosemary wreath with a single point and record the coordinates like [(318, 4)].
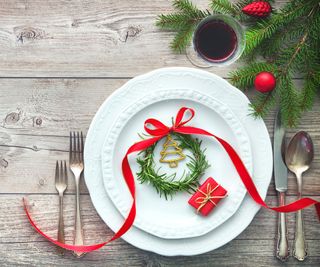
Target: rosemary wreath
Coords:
[(167, 185)]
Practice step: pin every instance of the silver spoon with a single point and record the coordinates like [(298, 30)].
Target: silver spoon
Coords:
[(299, 156)]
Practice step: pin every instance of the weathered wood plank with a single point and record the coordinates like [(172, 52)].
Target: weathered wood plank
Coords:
[(36, 116), (86, 38), (32, 171), (48, 107), (14, 226), (97, 39), (237, 253), (255, 245)]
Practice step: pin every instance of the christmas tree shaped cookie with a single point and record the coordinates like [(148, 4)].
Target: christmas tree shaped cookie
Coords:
[(170, 147)]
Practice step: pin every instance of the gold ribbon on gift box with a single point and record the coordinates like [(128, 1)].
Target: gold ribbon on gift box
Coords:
[(207, 196)]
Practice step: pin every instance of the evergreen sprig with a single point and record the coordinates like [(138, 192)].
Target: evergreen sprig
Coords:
[(168, 185), (265, 28), (288, 40), (183, 22), (187, 16), (224, 7), (262, 103)]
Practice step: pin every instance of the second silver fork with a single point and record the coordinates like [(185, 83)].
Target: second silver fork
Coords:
[(61, 182), (77, 166)]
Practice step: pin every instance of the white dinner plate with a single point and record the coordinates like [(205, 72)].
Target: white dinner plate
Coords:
[(262, 162), (173, 218)]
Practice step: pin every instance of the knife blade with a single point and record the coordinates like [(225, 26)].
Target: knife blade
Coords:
[(280, 168), (281, 182)]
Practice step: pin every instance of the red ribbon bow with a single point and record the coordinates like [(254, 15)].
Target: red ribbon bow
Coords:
[(158, 130)]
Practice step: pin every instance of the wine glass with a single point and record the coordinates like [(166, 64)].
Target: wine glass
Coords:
[(218, 40)]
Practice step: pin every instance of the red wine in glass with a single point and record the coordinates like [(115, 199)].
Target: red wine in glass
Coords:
[(215, 40)]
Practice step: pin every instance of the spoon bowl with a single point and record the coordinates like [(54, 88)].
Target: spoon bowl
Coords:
[(299, 154)]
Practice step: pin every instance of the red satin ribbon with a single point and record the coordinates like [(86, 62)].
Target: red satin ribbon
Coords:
[(158, 130)]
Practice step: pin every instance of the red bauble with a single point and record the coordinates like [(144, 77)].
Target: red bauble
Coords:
[(265, 82), (258, 9)]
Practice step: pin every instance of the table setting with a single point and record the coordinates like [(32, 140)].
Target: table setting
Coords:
[(165, 227), (179, 161)]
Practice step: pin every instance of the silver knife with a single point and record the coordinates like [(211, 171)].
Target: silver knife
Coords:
[(281, 181)]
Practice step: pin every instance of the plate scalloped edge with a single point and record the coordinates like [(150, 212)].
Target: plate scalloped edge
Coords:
[(167, 231), (142, 240)]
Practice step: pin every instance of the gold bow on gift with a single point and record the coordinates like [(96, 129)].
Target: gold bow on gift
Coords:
[(203, 200)]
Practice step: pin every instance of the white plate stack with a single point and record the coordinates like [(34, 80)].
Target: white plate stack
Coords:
[(172, 227)]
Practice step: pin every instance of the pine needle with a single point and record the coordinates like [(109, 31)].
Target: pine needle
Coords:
[(224, 7)]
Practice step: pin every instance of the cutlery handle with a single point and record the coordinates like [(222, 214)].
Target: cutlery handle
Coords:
[(61, 225), (282, 238), (78, 235), (300, 251)]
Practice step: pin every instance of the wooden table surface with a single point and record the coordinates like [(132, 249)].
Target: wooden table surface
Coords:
[(59, 60)]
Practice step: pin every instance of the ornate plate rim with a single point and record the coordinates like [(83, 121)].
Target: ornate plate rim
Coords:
[(212, 240), (201, 227)]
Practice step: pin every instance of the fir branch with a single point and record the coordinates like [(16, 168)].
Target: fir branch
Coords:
[(288, 39), (188, 8), (267, 27), (262, 103), (184, 22), (182, 38), (308, 91), (272, 47), (224, 7), (174, 21), (315, 26), (315, 74), (291, 39), (289, 57), (289, 101), (298, 49)]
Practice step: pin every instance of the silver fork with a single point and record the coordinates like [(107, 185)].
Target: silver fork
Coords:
[(76, 166), (61, 181)]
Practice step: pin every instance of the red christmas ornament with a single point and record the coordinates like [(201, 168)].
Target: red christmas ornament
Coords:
[(265, 82), (259, 9)]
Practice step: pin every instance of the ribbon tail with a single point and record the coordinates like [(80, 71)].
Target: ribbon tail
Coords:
[(65, 246), (246, 178), (129, 178)]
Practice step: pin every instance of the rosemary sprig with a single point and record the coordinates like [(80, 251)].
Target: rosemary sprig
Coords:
[(168, 185)]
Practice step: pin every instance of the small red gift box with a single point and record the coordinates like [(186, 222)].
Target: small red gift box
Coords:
[(207, 196)]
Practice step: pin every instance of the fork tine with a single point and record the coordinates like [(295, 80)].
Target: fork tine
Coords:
[(61, 172), (78, 146), (65, 173), (70, 149), (81, 146), (57, 173), (76, 167), (74, 147), (75, 154)]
